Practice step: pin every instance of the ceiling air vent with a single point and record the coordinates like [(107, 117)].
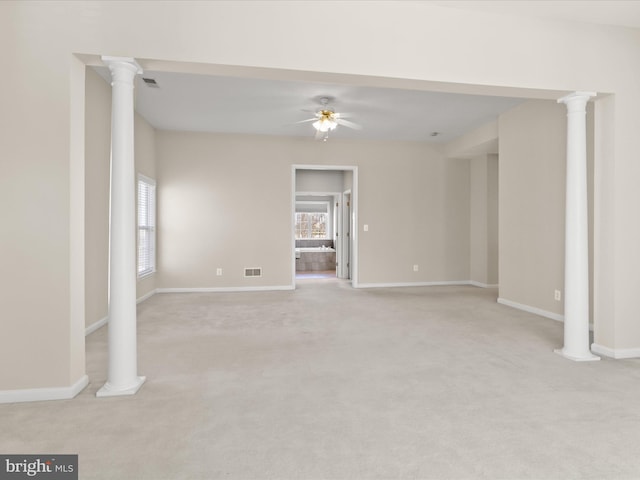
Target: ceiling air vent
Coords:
[(253, 272), (150, 82)]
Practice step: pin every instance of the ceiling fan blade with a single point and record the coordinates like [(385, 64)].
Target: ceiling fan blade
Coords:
[(347, 123), (342, 115), (307, 120)]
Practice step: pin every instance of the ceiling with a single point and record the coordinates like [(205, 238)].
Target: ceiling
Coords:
[(204, 103), (225, 104)]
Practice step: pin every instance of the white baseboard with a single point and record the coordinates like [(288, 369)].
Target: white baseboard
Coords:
[(537, 311), (43, 394), (95, 326), (146, 296), (225, 289), (413, 284), (617, 353), (483, 285), (103, 321)]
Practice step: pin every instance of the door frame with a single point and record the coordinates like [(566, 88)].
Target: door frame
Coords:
[(346, 241), (354, 213)]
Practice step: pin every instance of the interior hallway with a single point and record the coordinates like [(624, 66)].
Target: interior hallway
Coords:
[(332, 382)]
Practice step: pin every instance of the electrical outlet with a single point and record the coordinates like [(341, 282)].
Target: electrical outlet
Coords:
[(415, 268), (557, 295), (219, 272)]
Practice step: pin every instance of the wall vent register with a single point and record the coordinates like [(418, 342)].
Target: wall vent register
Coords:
[(150, 82), (253, 272)]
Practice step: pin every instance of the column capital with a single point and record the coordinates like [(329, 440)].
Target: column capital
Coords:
[(577, 98), (127, 62)]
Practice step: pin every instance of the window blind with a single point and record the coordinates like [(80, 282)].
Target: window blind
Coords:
[(146, 226)]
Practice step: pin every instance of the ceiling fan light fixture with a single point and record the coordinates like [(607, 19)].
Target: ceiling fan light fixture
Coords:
[(325, 124), (326, 120)]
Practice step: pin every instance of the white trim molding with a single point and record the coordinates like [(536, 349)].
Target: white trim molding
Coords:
[(537, 311), (354, 260), (483, 285), (95, 326), (225, 289), (103, 321), (414, 284), (147, 296), (44, 394), (616, 353)]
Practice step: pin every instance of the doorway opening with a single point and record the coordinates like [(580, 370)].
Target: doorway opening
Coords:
[(324, 213)]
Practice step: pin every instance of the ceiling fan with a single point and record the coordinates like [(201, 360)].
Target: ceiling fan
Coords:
[(326, 119)]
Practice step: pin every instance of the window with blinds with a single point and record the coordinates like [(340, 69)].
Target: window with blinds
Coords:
[(311, 225), (146, 226)]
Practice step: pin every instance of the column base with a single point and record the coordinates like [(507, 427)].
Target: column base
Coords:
[(109, 390), (589, 357)]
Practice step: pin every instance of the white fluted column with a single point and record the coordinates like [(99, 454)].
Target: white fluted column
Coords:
[(123, 376), (576, 249)]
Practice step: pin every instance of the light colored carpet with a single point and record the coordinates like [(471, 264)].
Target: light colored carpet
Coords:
[(328, 382), (316, 274)]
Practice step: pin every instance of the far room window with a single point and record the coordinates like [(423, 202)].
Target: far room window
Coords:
[(311, 225), (146, 226)]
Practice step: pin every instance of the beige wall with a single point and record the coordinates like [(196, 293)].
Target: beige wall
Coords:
[(532, 186), (417, 210), (416, 206), (532, 203), (480, 141), (604, 238), (223, 202), (319, 181), (347, 181), (97, 168), (483, 266), (493, 220), (42, 130)]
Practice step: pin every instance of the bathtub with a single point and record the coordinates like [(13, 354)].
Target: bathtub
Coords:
[(314, 249), (315, 258)]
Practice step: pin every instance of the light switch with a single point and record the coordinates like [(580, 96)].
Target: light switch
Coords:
[(365, 227)]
